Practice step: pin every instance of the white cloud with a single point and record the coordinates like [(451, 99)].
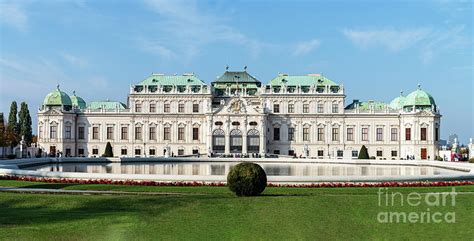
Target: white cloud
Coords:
[(306, 47), (75, 60), (393, 40), (186, 29), (13, 14), (442, 41), (156, 48)]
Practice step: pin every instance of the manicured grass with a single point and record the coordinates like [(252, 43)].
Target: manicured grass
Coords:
[(213, 213)]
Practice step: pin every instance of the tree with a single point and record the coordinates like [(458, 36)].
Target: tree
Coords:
[(2, 131), (363, 153), (247, 179), (108, 151), (25, 124), (12, 128)]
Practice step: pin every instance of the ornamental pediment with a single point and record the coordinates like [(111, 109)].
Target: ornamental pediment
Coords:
[(52, 112), (424, 113), (237, 106)]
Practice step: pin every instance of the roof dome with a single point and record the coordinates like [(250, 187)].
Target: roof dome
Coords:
[(77, 101), (57, 98), (398, 102), (419, 98)]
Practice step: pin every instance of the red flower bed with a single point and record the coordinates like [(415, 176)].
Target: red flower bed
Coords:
[(220, 184)]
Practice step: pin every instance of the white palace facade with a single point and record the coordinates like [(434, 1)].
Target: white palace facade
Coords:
[(237, 115)]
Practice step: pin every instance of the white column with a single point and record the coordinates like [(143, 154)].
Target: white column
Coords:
[(244, 137), (263, 137)]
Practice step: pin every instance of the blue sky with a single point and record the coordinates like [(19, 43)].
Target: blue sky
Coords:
[(376, 49)]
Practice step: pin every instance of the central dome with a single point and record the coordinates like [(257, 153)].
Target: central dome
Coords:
[(57, 98)]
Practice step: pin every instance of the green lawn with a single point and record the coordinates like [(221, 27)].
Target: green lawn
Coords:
[(212, 213)]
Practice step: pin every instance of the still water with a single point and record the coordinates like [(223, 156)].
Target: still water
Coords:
[(222, 168)]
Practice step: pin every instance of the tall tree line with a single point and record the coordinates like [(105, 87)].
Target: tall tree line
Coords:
[(18, 125)]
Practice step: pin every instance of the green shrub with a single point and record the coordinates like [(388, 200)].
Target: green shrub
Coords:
[(108, 151), (372, 158), (11, 156), (363, 154), (471, 160), (438, 158), (247, 179)]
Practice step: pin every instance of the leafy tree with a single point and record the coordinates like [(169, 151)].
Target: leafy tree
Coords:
[(108, 151), (363, 153), (2, 131), (12, 128), (25, 123), (247, 179)]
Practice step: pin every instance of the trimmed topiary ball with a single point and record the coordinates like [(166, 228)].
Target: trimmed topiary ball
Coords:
[(247, 179)]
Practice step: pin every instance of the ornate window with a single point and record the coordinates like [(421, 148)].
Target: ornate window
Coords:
[(365, 134), (291, 134), (335, 108), (152, 134), (320, 108), (80, 132), (379, 134), (67, 132), (110, 133), (335, 134), (152, 107), (138, 132), (423, 133), (167, 133), (320, 134), (95, 133), (181, 107), (394, 134), (276, 133), (138, 107), (276, 108), (180, 133), (408, 134), (195, 133), (195, 108), (218, 141), (350, 134), (305, 108), (305, 133), (53, 132), (291, 108), (253, 141), (236, 141), (124, 133)]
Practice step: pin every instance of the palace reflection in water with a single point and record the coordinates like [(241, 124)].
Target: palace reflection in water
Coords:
[(219, 169)]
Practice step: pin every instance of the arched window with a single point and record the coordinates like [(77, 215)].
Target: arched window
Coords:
[(218, 141), (236, 141), (253, 141)]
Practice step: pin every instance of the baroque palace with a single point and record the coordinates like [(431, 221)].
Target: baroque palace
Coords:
[(236, 114)]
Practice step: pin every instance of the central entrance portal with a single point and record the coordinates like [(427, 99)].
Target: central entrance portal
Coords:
[(236, 141)]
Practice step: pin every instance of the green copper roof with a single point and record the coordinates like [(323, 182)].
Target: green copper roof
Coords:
[(108, 105), (236, 76), (159, 79), (234, 85), (77, 101), (419, 98), (303, 80), (376, 105), (398, 102), (57, 98)]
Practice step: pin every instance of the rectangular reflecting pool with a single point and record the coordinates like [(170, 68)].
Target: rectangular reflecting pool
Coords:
[(222, 168)]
